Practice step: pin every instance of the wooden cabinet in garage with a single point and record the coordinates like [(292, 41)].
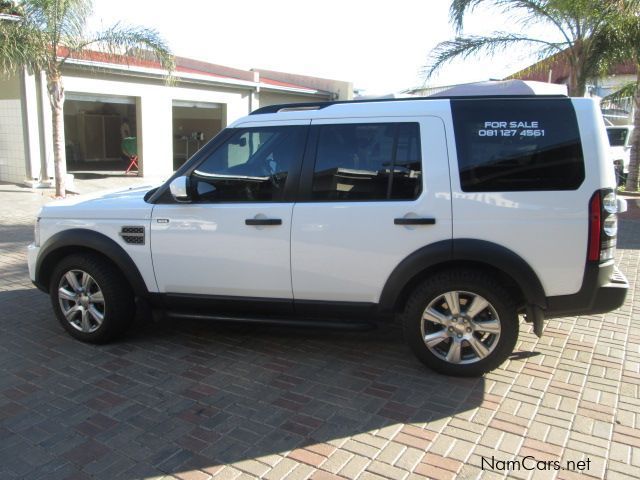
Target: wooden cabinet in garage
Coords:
[(99, 136)]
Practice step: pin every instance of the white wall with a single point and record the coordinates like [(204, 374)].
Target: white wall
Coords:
[(154, 116), (12, 140)]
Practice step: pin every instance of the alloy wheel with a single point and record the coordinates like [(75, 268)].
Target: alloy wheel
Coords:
[(81, 300), (460, 327)]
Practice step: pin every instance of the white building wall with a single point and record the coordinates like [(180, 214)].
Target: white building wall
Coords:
[(26, 145), (154, 100), (12, 140), (31, 119)]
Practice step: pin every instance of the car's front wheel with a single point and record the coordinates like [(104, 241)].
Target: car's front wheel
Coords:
[(461, 322), (91, 298)]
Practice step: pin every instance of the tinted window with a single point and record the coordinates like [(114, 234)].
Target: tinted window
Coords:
[(617, 136), (517, 145), (377, 161), (252, 166)]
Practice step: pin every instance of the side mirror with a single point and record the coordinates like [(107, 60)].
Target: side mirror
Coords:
[(179, 188)]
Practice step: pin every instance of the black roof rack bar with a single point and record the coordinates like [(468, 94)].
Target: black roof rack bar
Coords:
[(320, 105), (292, 107)]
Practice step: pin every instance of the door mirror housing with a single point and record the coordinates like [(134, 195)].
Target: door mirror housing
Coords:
[(179, 188)]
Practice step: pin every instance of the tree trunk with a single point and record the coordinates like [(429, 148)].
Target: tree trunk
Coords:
[(634, 166), (572, 87), (577, 81), (56, 98), (581, 88), (577, 86)]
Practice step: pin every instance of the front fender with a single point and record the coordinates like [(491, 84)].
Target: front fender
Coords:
[(65, 242)]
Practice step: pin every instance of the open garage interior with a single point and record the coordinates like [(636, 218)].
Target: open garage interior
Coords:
[(194, 124), (95, 129)]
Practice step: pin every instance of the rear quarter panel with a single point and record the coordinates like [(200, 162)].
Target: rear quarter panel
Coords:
[(548, 229)]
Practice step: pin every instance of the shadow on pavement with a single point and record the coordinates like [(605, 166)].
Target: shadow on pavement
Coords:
[(172, 397), (16, 236)]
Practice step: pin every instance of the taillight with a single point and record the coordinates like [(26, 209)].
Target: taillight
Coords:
[(603, 226)]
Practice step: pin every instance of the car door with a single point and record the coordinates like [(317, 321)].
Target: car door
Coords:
[(232, 241), (376, 191)]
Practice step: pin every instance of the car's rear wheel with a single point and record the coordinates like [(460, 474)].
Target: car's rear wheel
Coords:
[(461, 322), (91, 298)]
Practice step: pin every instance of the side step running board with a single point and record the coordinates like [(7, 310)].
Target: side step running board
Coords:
[(332, 324)]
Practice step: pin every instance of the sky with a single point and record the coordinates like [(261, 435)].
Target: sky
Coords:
[(380, 46)]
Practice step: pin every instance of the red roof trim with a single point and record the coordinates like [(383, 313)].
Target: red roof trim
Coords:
[(99, 57)]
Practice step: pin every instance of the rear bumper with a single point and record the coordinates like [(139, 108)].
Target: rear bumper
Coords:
[(604, 289), (612, 295)]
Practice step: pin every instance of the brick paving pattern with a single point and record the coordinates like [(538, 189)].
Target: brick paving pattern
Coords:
[(195, 401)]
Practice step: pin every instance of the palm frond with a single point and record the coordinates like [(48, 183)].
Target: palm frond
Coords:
[(526, 10), (129, 42), (459, 9), (21, 45), (9, 7), (73, 18), (465, 47), (628, 90)]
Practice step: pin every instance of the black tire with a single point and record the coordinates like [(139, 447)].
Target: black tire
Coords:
[(496, 346), (118, 306)]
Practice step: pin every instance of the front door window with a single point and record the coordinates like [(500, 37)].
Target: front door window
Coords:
[(252, 166)]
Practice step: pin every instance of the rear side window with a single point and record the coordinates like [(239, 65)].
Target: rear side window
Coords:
[(517, 145), (363, 162)]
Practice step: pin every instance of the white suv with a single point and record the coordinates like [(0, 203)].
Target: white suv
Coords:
[(458, 214)]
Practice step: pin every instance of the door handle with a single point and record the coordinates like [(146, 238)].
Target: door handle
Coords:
[(263, 221), (414, 221)]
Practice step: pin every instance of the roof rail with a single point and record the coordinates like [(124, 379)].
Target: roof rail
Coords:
[(292, 107)]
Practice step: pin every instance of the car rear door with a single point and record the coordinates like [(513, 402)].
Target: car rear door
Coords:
[(372, 192)]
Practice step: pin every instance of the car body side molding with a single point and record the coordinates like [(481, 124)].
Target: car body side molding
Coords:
[(455, 252), (505, 260), (434, 254)]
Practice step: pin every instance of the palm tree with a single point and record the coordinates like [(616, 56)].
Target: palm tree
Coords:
[(621, 41), (46, 33), (578, 24)]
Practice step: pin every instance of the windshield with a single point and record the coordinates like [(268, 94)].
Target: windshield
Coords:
[(617, 136)]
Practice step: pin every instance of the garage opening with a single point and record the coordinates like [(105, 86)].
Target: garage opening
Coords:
[(194, 124), (95, 129)]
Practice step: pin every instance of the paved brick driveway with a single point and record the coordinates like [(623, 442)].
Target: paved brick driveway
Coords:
[(194, 400)]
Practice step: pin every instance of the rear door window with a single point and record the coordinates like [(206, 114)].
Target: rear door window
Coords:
[(368, 162), (517, 144)]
